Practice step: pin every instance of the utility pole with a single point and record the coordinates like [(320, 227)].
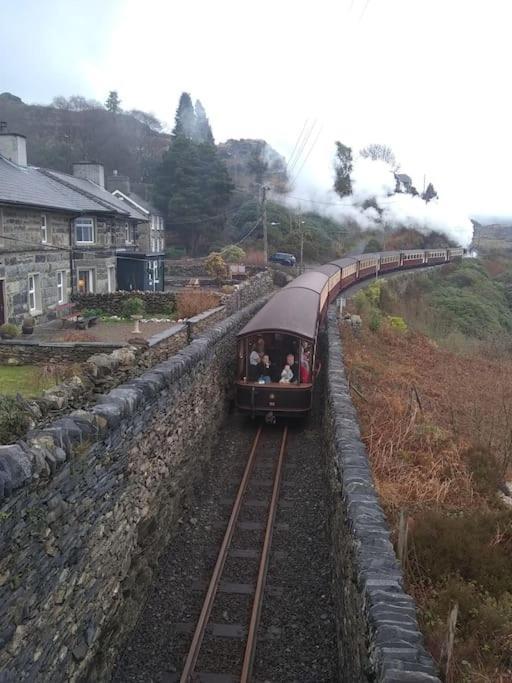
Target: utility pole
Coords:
[(301, 244), (264, 189)]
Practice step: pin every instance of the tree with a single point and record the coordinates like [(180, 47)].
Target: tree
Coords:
[(377, 152), (372, 246), (185, 119), (203, 131), (113, 103), (429, 193), (343, 169), (216, 266), (148, 119)]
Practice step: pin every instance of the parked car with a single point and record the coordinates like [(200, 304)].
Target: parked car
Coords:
[(283, 259)]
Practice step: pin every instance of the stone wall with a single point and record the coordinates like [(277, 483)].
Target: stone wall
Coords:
[(249, 290), (202, 321), (378, 633), (87, 504), (155, 302), (31, 351)]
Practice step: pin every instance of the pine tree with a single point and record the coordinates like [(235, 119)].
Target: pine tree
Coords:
[(185, 120), (113, 103), (429, 193), (203, 132), (343, 169)]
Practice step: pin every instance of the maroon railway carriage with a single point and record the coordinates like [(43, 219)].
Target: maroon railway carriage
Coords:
[(348, 267), (367, 265), (389, 260), (436, 256), (286, 325), (333, 272), (412, 258)]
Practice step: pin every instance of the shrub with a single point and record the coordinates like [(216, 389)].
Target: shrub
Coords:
[(9, 330), (215, 265), (375, 321), (484, 470), (14, 419), (190, 302), (132, 306), (233, 254), (397, 323), (92, 312), (474, 545)]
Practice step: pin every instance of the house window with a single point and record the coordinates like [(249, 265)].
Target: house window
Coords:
[(34, 293), (44, 229), (61, 287), (111, 277), (84, 230), (128, 230), (86, 281)]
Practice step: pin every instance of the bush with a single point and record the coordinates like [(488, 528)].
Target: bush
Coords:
[(375, 321), (190, 302), (484, 470), (14, 419), (92, 312), (9, 330), (397, 323), (132, 306), (233, 254), (216, 266), (474, 545)]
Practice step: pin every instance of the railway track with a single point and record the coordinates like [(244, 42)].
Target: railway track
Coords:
[(266, 450)]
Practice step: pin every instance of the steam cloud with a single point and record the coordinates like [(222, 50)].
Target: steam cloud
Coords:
[(374, 180)]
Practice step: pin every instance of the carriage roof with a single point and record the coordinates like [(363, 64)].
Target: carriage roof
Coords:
[(292, 310)]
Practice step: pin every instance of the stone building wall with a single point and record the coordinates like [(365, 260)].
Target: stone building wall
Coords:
[(378, 634), (87, 504)]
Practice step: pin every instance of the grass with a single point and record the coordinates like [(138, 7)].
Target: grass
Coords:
[(22, 379)]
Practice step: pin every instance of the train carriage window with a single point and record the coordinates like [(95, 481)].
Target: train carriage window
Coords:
[(265, 359)]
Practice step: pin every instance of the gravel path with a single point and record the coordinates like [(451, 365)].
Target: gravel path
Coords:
[(297, 630)]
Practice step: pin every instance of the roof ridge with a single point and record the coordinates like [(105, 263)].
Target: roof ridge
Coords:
[(49, 174)]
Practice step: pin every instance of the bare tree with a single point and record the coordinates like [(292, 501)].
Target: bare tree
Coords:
[(378, 152)]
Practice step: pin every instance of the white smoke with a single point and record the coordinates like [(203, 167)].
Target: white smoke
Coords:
[(375, 181)]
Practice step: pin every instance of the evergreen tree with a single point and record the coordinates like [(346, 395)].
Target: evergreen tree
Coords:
[(113, 103), (429, 193), (203, 131), (185, 120), (343, 169)]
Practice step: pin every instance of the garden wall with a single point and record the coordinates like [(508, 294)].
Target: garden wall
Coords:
[(87, 504), (378, 634), (31, 351), (155, 302)]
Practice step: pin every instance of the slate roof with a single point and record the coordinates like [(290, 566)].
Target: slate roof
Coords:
[(38, 187), (137, 199)]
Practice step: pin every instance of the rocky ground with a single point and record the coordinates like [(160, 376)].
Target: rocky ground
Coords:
[(297, 630)]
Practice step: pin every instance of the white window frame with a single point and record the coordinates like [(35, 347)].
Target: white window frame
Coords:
[(91, 272), (128, 233), (111, 279), (44, 229), (156, 274), (62, 287), (82, 222), (34, 293)]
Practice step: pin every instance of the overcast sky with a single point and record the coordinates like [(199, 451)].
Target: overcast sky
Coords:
[(431, 78)]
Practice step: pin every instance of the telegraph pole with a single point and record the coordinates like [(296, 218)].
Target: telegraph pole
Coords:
[(264, 189)]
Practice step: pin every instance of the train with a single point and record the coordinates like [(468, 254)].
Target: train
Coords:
[(277, 350)]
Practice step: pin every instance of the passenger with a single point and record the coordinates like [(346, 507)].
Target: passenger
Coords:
[(286, 375), (290, 360), (257, 353), (265, 370), (305, 371)]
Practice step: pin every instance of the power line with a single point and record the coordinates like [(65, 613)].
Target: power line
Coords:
[(296, 144), (307, 157), (302, 146)]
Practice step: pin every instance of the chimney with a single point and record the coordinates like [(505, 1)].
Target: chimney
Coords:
[(90, 170), (14, 147), (118, 182)]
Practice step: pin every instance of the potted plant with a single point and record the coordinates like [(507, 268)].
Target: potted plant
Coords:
[(27, 326), (8, 331)]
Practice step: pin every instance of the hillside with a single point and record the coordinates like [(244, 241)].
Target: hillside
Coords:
[(431, 377)]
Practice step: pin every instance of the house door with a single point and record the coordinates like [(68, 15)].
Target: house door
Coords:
[(85, 281), (2, 302)]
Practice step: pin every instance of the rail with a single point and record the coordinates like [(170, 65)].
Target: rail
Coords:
[(188, 674)]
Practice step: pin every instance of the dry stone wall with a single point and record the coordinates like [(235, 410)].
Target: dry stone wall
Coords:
[(378, 634), (87, 504)]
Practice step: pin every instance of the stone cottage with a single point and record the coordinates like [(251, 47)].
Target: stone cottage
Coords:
[(60, 234)]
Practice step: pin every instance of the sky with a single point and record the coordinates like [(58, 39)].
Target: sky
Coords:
[(430, 78)]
